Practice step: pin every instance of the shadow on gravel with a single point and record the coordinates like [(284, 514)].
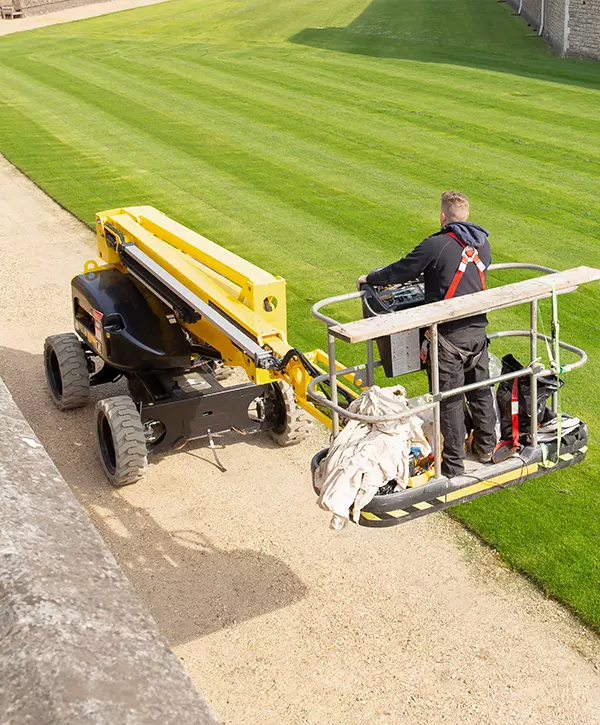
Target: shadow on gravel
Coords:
[(191, 587)]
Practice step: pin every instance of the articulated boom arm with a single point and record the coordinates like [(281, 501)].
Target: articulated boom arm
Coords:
[(221, 299)]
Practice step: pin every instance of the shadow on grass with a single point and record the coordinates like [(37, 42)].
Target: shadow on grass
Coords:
[(474, 34), (191, 586)]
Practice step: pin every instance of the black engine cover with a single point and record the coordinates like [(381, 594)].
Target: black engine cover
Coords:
[(127, 325)]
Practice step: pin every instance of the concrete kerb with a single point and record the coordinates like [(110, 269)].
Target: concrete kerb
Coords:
[(66, 11), (76, 645)]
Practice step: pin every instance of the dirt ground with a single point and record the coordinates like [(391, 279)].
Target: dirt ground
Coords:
[(65, 16), (278, 619)]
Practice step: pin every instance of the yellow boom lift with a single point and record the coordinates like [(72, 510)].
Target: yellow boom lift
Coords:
[(171, 311)]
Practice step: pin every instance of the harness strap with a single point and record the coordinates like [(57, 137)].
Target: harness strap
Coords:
[(514, 412), (468, 358), (469, 255), (504, 448)]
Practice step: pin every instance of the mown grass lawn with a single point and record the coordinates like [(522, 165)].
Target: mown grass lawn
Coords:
[(314, 138)]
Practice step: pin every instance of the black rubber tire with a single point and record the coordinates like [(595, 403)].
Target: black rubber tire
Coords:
[(292, 424), (121, 440), (67, 373)]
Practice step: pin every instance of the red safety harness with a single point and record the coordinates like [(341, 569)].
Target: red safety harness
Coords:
[(469, 255), (504, 448)]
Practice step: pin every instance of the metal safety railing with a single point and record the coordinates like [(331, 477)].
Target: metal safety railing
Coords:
[(534, 370)]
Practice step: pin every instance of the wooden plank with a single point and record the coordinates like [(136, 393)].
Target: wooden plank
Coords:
[(465, 306)]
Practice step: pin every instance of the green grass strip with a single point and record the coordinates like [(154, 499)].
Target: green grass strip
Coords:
[(314, 137)]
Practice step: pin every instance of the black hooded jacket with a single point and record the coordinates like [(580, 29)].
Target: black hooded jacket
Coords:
[(437, 258)]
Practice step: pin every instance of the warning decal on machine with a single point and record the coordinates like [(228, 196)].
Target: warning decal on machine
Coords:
[(97, 324)]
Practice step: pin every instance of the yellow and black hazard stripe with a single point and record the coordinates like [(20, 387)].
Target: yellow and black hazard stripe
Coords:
[(378, 517)]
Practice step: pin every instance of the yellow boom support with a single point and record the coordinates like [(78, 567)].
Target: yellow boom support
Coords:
[(253, 300)]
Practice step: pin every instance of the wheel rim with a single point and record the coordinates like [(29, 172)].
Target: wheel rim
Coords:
[(276, 408), (107, 445), (54, 376), (152, 438)]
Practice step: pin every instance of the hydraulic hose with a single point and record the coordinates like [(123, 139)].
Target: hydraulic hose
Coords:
[(310, 369)]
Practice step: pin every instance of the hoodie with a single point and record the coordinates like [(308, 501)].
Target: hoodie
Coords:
[(437, 258)]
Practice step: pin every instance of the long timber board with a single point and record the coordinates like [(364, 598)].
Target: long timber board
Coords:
[(465, 306)]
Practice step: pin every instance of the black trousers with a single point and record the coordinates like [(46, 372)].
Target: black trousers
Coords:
[(481, 403)]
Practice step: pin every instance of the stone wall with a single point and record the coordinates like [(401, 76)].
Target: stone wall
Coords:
[(531, 11), (577, 34), (76, 645), (584, 28), (554, 11), (38, 7), (554, 24)]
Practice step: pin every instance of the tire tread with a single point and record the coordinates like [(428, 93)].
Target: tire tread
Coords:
[(298, 425), (74, 373), (131, 453)]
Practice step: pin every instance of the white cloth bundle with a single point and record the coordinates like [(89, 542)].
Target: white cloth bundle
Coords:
[(366, 456)]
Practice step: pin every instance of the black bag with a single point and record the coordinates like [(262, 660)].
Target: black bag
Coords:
[(546, 386)]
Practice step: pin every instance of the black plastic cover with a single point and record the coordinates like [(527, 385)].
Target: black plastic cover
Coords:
[(126, 324)]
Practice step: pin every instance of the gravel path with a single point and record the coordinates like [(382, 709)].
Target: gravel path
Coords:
[(66, 16), (279, 620)]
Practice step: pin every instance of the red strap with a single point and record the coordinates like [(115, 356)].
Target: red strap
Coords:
[(515, 412), (454, 285), (458, 239), (466, 258), (482, 278)]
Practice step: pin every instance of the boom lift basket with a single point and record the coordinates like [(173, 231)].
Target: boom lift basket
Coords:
[(428, 494)]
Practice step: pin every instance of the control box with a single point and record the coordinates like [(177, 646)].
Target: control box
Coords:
[(400, 352)]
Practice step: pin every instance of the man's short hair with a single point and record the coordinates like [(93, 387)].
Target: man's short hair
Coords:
[(455, 206)]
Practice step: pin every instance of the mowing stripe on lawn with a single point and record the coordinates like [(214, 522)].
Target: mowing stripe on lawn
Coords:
[(314, 137)]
